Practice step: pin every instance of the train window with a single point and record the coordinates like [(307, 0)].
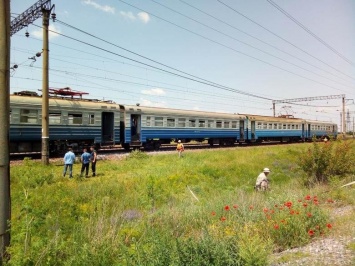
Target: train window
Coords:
[(234, 124), (170, 122), (54, 118), (28, 116), (210, 123), (292, 126), (288, 126), (91, 119), (259, 125), (75, 119), (279, 126), (296, 126), (270, 126), (147, 123), (201, 123), (226, 124), (218, 124), (192, 122), (264, 125), (283, 126), (181, 122), (275, 126), (318, 127), (158, 121)]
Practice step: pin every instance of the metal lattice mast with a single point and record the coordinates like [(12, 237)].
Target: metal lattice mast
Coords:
[(329, 97), (42, 9)]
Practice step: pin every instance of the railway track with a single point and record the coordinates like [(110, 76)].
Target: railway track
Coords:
[(165, 147)]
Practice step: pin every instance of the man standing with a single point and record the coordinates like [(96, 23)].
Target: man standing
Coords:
[(69, 159), (85, 162), (180, 148), (93, 160), (262, 182)]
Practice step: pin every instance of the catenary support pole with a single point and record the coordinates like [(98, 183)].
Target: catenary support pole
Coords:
[(45, 94), (5, 203)]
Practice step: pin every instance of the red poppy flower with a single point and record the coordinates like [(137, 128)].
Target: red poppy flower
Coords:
[(226, 208), (297, 213), (288, 204), (251, 207), (330, 201), (268, 217), (292, 212), (213, 213), (329, 226), (265, 210), (276, 226), (310, 232), (276, 205), (299, 200), (235, 206), (305, 204), (223, 218), (309, 214), (272, 211), (283, 221), (308, 197)]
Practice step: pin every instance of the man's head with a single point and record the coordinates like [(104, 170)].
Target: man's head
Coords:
[(266, 171), (179, 141)]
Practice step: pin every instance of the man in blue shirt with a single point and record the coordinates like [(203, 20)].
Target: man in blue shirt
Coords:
[(85, 162), (69, 159)]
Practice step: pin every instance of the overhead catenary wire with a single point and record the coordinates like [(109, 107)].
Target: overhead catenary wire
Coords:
[(240, 52), (247, 44), (310, 32), (278, 36), (260, 40)]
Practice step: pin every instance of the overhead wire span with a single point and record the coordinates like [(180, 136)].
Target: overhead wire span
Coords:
[(310, 32), (278, 36)]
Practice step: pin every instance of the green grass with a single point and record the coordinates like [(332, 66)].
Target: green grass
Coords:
[(162, 210)]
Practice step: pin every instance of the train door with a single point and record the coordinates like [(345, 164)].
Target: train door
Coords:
[(107, 128), (303, 133), (308, 131), (252, 130), (241, 130), (135, 127)]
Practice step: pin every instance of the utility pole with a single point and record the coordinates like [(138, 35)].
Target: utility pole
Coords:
[(41, 8), (45, 85), (5, 203)]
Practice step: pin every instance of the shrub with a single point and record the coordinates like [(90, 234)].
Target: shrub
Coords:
[(324, 160)]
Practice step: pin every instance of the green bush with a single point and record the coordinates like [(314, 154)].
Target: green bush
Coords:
[(325, 160)]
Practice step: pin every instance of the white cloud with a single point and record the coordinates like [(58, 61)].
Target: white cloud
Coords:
[(39, 32), (104, 8), (141, 16), (155, 91), (127, 15), (145, 102), (144, 17)]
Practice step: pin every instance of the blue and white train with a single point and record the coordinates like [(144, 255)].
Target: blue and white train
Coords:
[(79, 123)]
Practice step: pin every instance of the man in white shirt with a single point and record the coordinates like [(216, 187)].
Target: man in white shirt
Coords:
[(262, 182)]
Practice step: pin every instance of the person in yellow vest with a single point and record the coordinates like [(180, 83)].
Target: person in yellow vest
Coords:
[(180, 148)]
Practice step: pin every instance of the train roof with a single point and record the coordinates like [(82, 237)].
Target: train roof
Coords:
[(61, 102), (319, 122), (273, 119), (181, 112)]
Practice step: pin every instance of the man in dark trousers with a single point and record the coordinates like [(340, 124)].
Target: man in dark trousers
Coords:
[(93, 160), (85, 162)]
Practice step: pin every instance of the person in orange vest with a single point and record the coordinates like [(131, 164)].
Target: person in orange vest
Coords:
[(180, 148)]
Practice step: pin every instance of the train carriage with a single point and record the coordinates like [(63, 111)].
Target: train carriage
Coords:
[(150, 127), (73, 122), (268, 128), (320, 130)]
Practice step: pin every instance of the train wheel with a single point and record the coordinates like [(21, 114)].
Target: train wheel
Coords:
[(126, 147)]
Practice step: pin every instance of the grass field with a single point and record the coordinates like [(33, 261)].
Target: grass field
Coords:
[(161, 210)]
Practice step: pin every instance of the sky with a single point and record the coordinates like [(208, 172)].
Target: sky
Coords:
[(233, 56)]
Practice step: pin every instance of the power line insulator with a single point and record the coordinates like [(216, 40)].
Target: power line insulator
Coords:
[(27, 34), (38, 54), (54, 16)]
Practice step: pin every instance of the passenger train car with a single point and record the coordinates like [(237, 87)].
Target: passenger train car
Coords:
[(79, 123), (266, 128)]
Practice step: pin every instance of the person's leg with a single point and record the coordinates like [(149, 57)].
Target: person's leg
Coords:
[(93, 168), (65, 169), (70, 170), (86, 170), (82, 169)]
